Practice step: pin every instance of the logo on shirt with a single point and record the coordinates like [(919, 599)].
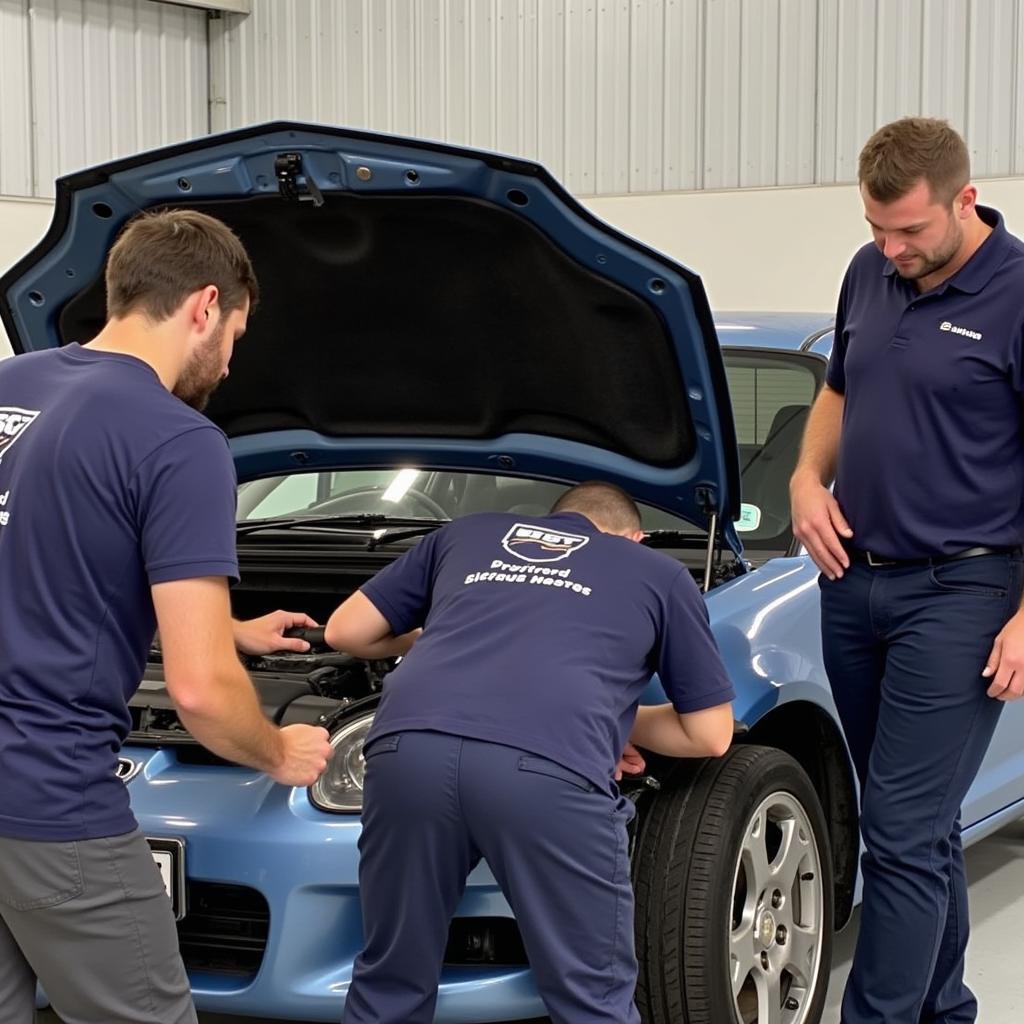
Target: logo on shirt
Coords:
[(532, 544), (966, 332), (13, 423)]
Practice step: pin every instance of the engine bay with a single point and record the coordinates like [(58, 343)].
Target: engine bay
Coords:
[(320, 686)]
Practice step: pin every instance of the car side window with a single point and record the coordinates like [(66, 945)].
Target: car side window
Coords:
[(771, 401)]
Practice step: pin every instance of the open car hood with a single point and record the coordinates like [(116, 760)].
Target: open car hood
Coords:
[(421, 304)]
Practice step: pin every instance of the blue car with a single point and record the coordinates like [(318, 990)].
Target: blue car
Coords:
[(444, 332)]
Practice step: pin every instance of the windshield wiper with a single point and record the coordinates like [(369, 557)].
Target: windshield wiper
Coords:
[(362, 521), (390, 538)]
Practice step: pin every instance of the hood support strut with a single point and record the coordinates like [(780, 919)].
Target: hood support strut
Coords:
[(712, 547)]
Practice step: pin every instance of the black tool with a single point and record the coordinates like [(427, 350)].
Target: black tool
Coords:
[(313, 635)]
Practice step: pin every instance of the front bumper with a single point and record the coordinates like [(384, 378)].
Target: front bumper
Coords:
[(242, 830)]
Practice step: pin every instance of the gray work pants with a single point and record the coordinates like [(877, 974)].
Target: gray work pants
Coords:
[(91, 921)]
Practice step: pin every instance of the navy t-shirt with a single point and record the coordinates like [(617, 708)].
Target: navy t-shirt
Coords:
[(108, 484), (541, 634), (931, 457)]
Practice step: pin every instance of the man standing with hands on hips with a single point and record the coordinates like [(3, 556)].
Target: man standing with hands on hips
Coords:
[(920, 425)]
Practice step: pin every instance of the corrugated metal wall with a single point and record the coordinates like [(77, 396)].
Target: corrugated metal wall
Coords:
[(614, 96), (82, 81), (622, 96)]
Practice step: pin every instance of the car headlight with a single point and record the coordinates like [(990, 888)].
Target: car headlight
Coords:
[(340, 788)]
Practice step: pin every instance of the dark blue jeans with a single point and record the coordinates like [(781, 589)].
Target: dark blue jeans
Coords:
[(904, 650), (557, 845)]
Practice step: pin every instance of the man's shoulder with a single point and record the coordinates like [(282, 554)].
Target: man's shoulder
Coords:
[(157, 422), (865, 264), (476, 529), (28, 364), (112, 398), (150, 427), (1005, 278), (171, 418), (1016, 254)]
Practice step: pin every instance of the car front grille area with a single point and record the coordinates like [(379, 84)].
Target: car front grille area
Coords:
[(224, 930), (484, 942)]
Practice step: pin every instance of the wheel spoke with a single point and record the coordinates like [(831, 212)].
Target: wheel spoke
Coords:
[(755, 856), (792, 852), (802, 946), (769, 997), (742, 956)]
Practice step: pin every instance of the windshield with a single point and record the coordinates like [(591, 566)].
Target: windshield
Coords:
[(409, 494), (771, 394)]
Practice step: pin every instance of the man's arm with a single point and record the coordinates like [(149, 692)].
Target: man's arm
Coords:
[(358, 628), (705, 733), (817, 519), (213, 693)]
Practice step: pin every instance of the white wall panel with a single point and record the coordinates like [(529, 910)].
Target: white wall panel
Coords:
[(683, 154), (798, 99), (529, 68), (112, 77), (483, 85), (402, 30), (512, 98), (429, 64), (898, 47), (1018, 95), (614, 96), (944, 59), (856, 82), (646, 103), (16, 157), (618, 96), (581, 109), (991, 59), (551, 85), (826, 126), (617, 86), (723, 74), (759, 92)]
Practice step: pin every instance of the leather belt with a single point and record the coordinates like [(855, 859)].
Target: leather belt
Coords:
[(877, 561)]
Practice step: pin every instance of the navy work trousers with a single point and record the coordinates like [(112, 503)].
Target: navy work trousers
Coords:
[(904, 651), (557, 845)]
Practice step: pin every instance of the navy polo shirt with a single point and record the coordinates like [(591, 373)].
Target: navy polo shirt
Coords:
[(931, 457), (108, 484), (541, 634)]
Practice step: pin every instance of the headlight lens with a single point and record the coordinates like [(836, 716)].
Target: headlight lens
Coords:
[(340, 788)]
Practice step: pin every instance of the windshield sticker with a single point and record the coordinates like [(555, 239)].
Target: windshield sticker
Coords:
[(750, 518)]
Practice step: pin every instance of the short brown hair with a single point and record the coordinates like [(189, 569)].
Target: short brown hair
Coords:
[(604, 504), (902, 153), (160, 258)]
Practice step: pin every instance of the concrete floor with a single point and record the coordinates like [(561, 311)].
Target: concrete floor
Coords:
[(995, 966)]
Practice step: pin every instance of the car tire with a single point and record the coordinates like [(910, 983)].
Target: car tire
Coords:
[(734, 894)]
